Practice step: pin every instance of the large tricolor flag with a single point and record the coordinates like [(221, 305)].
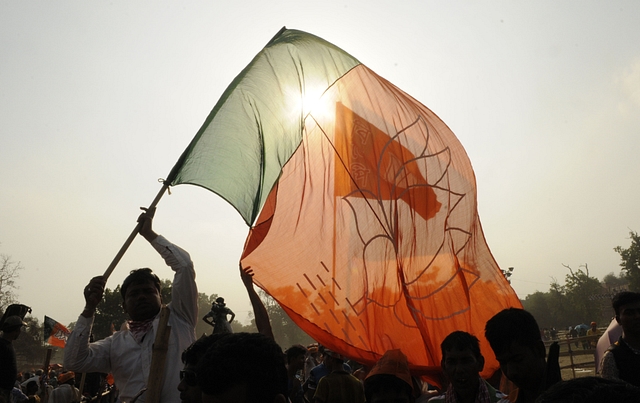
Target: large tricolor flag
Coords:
[(55, 333), (361, 202)]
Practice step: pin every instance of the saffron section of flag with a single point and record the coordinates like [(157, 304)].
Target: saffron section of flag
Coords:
[(361, 201), (55, 333)]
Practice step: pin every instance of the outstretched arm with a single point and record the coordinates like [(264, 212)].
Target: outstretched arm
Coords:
[(259, 311)]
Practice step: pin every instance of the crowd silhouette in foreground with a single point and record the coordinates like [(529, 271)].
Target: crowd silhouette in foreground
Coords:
[(145, 363)]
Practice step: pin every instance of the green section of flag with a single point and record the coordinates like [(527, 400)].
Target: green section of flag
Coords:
[(257, 124)]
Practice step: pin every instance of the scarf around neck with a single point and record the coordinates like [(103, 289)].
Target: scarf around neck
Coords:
[(139, 328)]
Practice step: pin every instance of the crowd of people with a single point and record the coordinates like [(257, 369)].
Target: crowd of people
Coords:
[(147, 363)]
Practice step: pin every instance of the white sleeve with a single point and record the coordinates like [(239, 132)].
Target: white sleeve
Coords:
[(82, 356), (184, 293)]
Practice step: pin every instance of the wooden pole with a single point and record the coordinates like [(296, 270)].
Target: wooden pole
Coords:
[(82, 381), (158, 358), (132, 236), (45, 373)]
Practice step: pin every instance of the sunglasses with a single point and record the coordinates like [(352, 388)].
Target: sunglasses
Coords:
[(189, 377)]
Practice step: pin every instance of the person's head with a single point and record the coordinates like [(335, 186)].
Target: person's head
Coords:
[(220, 301), (389, 381), (141, 297), (190, 392), (590, 389), (67, 377), (515, 339), (295, 357), (332, 360), (594, 325), (12, 327), (462, 362), (30, 386), (627, 307), (243, 368)]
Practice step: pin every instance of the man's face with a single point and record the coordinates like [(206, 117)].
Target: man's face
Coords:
[(190, 392), (297, 362), (629, 318), (462, 368), (523, 365), (142, 301)]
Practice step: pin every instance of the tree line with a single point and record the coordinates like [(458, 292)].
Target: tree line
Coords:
[(582, 298)]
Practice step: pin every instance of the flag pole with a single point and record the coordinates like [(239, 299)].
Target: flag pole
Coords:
[(132, 236)]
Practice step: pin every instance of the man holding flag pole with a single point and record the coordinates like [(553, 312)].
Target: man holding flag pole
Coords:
[(127, 354)]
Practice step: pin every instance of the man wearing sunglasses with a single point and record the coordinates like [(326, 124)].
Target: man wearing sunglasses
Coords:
[(190, 392)]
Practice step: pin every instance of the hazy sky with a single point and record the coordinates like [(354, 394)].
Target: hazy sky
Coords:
[(99, 99)]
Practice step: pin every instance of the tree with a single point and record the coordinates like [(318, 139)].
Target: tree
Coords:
[(285, 331), (582, 293), (29, 347), (109, 314), (538, 305), (631, 261), (9, 273), (615, 283)]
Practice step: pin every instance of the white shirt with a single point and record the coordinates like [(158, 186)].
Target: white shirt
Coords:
[(130, 361)]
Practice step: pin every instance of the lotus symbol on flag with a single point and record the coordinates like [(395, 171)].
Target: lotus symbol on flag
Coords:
[(361, 203)]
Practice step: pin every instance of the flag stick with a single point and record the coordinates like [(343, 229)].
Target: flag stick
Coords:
[(133, 234), (45, 374), (82, 381)]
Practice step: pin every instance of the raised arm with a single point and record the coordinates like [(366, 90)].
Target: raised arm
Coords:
[(184, 293), (259, 311), (80, 355)]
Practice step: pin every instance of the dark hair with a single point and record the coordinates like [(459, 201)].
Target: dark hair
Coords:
[(460, 340), (192, 354), (250, 358), (139, 276), (624, 298), (377, 383), (295, 351), (590, 389), (509, 325)]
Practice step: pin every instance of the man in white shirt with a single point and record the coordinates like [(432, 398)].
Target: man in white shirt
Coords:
[(127, 353)]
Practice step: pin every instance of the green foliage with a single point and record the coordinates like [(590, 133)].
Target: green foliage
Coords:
[(109, 314), (285, 331), (631, 261), (581, 292), (614, 282), (30, 351), (581, 299)]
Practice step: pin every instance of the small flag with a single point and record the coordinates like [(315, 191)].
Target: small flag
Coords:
[(55, 333)]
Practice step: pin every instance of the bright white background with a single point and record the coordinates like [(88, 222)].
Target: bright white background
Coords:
[(99, 99)]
